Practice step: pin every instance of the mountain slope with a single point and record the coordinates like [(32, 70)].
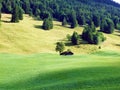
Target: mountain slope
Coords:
[(28, 37)]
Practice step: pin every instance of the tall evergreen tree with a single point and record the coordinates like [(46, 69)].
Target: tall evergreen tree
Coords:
[(26, 6), (0, 13), (81, 19), (73, 20), (15, 14), (20, 13), (75, 38), (0, 10), (96, 20), (64, 22), (116, 21), (44, 15)]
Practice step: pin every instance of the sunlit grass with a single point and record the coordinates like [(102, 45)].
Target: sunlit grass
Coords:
[(53, 72)]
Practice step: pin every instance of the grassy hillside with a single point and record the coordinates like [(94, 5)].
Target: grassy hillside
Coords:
[(98, 71), (46, 70), (28, 37)]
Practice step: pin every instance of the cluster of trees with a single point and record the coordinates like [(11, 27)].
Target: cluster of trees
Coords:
[(72, 12), (107, 26), (91, 35)]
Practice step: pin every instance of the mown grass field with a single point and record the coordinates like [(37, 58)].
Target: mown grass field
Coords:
[(28, 60), (98, 71)]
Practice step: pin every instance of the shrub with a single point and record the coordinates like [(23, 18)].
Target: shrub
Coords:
[(68, 37), (60, 46), (99, 37)]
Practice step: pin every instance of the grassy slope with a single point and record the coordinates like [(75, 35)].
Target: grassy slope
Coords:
[(27, 37), (53, 72), (98, 71)]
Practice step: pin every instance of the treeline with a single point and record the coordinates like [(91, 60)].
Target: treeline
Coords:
[(83, 10), (72, 12)]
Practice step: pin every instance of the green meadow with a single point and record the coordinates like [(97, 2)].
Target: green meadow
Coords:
[(97, 71)]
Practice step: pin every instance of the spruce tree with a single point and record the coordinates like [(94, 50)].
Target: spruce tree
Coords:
[(75, 38), (0, 10), (73, 20), (47, 24), (15, 14), (116, 21), (0, 13), (102, 25), (64, 22), (96, 20), (20, 13), (81, 20)]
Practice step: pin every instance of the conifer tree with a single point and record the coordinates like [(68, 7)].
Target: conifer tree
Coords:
[(47, 24), (73, 20), (96, 20), (0, 17), (81, 20), (15, 14), (20, 13), (64, 22), (0, 10), (75, 38), (116, 21)]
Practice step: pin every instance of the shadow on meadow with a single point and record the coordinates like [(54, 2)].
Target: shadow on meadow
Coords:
[(81, 78), (38, 26)]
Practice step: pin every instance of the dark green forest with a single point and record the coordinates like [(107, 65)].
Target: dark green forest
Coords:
[(85, 10)]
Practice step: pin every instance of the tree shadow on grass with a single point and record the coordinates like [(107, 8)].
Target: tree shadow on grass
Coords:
[(55, 80), (117, 45), (38, 26), (67, 26), (6, 21), (117, 35), (118, 31), (68, 44)]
